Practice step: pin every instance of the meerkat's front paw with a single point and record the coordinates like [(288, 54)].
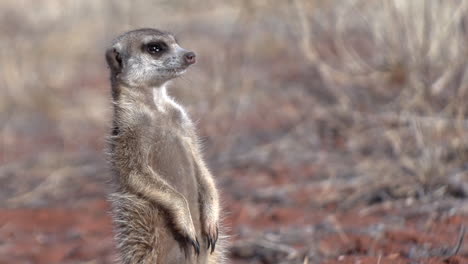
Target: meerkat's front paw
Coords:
[(210, 224), (211, 233), (189, 237), (186, 229), (195, 244)]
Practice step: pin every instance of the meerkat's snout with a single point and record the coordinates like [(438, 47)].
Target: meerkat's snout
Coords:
[(190, 57)]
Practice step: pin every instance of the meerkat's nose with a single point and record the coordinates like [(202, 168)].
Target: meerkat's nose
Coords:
[(190, 57)]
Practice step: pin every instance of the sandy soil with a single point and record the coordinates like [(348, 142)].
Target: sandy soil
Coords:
[(281, 223)]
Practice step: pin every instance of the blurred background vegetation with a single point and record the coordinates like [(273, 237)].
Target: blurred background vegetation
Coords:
[(364, 99)]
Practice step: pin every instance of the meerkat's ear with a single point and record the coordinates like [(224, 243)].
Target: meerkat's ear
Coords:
[(114, 59)]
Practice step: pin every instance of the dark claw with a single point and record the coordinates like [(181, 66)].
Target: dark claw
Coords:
[(213, 245), (208, 242), (196, 246), (211, 241)]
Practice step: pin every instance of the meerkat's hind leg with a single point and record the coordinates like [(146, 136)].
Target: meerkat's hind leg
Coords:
[(135, 228), (159, 193)]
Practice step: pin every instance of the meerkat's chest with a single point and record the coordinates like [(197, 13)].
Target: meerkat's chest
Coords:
[(171, 153), (172, 129), (172, 122)]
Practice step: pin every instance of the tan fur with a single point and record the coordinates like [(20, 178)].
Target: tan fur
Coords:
[(165, 201)]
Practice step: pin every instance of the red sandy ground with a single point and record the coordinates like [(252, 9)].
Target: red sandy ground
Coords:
[(84, 234)]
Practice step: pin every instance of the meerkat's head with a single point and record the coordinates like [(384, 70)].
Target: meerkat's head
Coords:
[(147, 58)]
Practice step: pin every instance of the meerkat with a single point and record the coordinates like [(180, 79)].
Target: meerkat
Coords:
[(165, 203)]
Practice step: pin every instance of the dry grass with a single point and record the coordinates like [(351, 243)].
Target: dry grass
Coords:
[(397, 72)]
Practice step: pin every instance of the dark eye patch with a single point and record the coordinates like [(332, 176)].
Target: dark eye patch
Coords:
[(155, 48)]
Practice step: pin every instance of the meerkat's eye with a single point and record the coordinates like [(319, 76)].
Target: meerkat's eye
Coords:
[(156, 47)]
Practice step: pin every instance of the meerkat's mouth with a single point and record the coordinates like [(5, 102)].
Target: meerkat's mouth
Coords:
[(177, 71)]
